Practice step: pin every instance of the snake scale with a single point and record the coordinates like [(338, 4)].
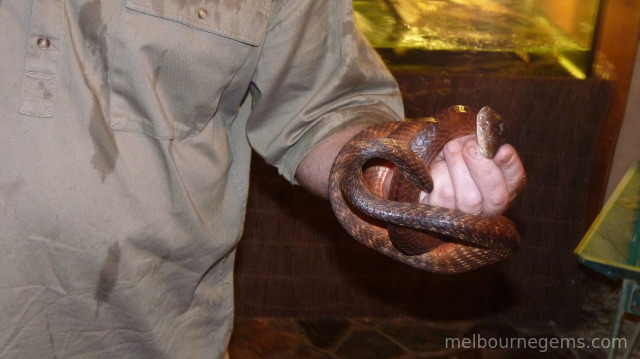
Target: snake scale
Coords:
[(431, 238)]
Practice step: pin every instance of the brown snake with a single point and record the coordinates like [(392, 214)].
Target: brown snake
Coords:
[(431, 238)]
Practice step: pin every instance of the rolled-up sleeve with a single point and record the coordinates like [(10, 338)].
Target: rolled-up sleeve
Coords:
[(316, 76)]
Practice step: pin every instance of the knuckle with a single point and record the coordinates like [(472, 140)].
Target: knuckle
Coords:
[(447, 194), (471, 202), (443, 196), (499, 199)]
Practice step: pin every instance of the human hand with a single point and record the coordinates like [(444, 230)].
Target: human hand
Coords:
[(466, 180)]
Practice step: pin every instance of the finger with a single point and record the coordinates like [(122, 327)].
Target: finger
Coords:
[(443, 194), (467, 195), (509, 162), (488, 178)]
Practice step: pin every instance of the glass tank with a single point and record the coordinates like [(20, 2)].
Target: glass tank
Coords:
[(498, 37)]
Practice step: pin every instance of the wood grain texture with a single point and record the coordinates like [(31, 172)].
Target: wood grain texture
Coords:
[(617, 47), (295, 259)]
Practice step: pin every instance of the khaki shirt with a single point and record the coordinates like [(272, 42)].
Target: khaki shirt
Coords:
[(125, 136)]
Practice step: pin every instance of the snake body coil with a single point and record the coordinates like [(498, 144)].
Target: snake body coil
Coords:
[(431, 238)]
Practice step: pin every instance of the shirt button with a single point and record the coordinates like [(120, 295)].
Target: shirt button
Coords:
[(43, 43), (202, 12)]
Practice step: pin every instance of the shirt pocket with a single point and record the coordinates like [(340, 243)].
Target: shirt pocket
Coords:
[(172, 60)]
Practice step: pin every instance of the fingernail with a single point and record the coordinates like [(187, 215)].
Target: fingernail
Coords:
[(453, 146), (506, 159), (472, 151)]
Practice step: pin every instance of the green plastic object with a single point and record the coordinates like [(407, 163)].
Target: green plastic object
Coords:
[(611, 245)]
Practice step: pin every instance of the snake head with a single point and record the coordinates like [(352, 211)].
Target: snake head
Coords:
[(491, 131)]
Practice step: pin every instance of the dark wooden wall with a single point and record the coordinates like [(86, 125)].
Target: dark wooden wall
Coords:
[(617, 48), (295, 259)]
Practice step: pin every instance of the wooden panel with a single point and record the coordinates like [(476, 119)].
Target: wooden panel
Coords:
[(617, 47), (295, 259)]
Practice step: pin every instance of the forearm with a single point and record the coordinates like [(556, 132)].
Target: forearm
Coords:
[(314, 169), (462, 180)]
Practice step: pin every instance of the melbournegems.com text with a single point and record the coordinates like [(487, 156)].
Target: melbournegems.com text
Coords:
[(476, 341)]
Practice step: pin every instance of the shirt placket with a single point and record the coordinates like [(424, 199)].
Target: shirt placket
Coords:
[(42, 53)]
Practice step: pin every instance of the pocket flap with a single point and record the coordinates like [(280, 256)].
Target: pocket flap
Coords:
[(241, 20)]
